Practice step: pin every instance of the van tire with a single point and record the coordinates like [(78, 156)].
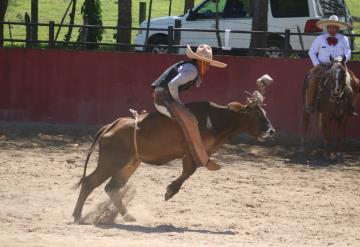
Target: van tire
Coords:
[(275, 45), (158, 40)]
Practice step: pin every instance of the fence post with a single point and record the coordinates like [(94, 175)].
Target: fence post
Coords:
[(2, 34), (177, 35), (170, 38), (28, 30), (287, 43), (189, 4), (51, 34), (142, 12)]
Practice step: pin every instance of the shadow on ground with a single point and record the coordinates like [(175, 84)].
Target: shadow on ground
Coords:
[(166, 228), (285, 147)]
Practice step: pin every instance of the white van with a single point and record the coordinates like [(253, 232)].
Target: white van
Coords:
[(296, 15)]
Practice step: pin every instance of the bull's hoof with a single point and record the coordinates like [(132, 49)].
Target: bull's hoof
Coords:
[(76, 218), (129, 218), (212, 166), (169, 194), (77, 221)]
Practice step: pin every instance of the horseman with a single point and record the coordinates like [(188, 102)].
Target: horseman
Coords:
[(330, 44), (179, 77)]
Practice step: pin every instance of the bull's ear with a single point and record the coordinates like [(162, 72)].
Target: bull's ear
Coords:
[(235, 106)]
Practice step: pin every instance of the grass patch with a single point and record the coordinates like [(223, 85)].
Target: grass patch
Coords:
[(53, 10)]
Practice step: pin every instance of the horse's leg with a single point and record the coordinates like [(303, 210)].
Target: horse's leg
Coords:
[(189, 168), (325, 126), (355, 84), (306, 115), (88, 184), (116, 183), (340, 138), (305, 129)]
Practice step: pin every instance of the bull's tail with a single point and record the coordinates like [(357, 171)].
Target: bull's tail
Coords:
[(98, 135)]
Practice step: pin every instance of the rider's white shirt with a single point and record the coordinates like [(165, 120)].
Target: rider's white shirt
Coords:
[(187, 72), (320, 50)]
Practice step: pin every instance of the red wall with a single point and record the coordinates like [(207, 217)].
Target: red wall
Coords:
[(96, 87)]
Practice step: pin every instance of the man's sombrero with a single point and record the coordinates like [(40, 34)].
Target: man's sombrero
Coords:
[(204, 53), (333, 20)]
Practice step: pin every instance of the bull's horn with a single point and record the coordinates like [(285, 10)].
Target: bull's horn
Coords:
[(263, 82)]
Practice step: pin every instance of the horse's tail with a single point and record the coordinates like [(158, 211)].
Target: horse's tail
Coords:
[(98, 136)]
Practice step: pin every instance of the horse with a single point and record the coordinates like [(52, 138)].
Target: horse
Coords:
[(334, 104), (156, 139)]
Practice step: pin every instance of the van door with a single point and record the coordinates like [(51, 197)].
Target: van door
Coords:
[(203, 17)]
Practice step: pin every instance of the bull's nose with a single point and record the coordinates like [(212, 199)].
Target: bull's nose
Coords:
[(271, 132)]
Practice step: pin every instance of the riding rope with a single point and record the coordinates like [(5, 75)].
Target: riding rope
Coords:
[(135, 115)]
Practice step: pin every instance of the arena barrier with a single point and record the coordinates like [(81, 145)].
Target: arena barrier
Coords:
[(58, 86)]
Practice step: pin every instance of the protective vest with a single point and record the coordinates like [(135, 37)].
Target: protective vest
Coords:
[(170, 74)]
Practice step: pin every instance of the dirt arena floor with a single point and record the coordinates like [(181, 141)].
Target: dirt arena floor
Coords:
[(265, 195)]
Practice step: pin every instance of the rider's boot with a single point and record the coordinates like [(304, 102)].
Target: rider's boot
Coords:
[(189, 126)]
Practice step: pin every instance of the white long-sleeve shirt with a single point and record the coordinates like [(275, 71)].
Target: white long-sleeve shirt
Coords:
[(320, 50), (187, 72)]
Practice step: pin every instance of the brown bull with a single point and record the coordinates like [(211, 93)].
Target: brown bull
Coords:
[(158, 139)]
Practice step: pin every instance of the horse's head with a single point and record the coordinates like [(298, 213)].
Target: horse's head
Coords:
[(337, 78), (255, 122)]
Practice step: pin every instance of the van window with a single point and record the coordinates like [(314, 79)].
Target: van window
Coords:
[(286, 8), (327, 8), (237, 9), (207, 10)]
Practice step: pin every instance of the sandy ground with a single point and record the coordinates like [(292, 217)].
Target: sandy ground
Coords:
[(265, 195)]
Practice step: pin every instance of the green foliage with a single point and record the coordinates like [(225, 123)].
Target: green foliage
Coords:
[(91, 13), (53, 10)]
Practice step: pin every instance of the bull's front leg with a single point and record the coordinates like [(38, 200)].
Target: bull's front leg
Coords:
[(189, 168)]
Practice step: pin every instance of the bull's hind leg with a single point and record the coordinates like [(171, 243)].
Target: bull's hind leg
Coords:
[(116, 183), (189, 168), (88, 184)]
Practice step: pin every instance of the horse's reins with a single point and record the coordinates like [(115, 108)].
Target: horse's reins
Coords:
[(332, 97)]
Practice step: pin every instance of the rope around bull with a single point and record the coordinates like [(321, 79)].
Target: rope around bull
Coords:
[(135, 115)]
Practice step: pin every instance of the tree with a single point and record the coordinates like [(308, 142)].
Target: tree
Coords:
[(259, 23), (124, 20), (189, 4), (34, 19), (91, 12), (71, 22), (3, 7)]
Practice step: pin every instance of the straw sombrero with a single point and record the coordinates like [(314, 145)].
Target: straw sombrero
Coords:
[(204, 53), (333, 20)]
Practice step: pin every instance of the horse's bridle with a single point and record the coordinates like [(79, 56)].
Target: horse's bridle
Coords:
[(335, 93)]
